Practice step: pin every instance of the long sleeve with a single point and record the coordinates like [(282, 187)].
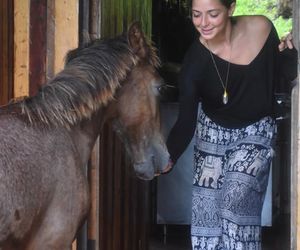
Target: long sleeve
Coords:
[(288, 60), (184, 128), (286, 65)]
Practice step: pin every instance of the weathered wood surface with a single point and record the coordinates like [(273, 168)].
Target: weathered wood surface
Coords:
[(6, 51), (21, 42), (295, 141)]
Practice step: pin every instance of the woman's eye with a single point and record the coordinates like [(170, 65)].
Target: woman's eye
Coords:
[(196, 15), (214, 14)]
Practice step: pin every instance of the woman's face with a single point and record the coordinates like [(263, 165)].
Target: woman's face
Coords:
[(210, 17)]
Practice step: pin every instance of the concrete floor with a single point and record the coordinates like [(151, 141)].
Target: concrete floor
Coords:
[(171, 238), (177, 238)]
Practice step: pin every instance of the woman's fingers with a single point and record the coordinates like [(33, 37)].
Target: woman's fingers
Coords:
[(281, 46), (289, 44), (286, 42)]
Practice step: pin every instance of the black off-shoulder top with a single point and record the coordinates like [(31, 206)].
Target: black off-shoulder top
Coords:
[(251, 89)]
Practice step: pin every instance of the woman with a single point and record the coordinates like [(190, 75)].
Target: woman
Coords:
[(233, 69)]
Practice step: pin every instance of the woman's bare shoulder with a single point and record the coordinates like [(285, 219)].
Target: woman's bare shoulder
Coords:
[(257, 25), (250, 32)]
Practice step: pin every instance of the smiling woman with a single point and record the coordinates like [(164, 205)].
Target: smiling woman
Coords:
[(233, 69)]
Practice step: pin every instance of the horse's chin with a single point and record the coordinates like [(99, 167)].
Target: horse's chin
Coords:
[(144, 171)]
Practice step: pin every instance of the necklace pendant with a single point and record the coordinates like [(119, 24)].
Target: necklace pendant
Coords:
[(225, 97)]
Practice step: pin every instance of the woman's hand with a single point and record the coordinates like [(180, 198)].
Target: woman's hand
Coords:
[(286, 42)]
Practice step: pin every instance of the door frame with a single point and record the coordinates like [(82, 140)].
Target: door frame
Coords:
[(295, 141)]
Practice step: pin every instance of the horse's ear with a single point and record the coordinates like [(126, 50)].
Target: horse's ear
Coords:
[(137, 40)]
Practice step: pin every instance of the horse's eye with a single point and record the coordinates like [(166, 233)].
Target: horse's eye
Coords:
[(160, 89), (167, 92), (163, 88)]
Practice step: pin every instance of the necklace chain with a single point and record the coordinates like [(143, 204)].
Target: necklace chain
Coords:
[(225, 94)]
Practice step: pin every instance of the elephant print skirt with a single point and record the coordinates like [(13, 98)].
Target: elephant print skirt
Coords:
[(230, 179)]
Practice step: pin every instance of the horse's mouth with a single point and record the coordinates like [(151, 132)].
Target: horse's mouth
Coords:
[(149, 169), (146, 170)]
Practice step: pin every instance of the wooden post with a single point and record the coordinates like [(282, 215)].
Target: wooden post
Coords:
[(295, 142), (66, 30), (6, 50), (21, 41), (93, 219), (66, 34)]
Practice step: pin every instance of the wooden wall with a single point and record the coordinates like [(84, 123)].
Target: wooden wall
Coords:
[(6, 51), (44, 32)]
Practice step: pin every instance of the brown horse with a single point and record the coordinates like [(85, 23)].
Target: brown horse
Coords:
[(46, 140)]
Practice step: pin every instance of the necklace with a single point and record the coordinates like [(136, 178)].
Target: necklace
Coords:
[(225, 93)]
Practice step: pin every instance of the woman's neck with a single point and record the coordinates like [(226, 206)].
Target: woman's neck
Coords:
[(221, 44)]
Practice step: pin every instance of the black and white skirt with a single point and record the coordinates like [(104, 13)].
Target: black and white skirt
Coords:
[(231, 171)]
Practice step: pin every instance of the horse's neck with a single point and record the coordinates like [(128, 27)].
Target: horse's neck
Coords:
[(85, 134)]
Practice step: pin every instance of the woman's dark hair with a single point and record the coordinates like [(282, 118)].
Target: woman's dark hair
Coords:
[(227, 3)]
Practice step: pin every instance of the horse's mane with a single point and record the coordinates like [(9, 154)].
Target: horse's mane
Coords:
[(89, 80)]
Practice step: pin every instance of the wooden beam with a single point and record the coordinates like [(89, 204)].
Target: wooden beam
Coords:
[(21, 53), (93, 177), (295, 141), (66, 30), (6, 51), (65, 34), (38, 45)]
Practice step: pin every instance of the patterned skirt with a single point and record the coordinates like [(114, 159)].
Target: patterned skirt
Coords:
[(230, 179)]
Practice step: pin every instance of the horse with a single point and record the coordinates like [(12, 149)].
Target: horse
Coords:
[(46, 139)]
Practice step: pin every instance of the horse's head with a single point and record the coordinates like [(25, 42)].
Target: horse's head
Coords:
[(136, 109)]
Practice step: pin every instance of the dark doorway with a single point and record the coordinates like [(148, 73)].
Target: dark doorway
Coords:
[(172, 33)]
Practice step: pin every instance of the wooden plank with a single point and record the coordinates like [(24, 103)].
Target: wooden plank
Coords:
[(110, 185), (66, 30), (50, 39), (295, 141), (295, 209), (66, 34), (21, 41), (95, 19), (117, 194), (3, 51), (93, 225), (38, 45), (84, 18), (91, 25), (6, 51)]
